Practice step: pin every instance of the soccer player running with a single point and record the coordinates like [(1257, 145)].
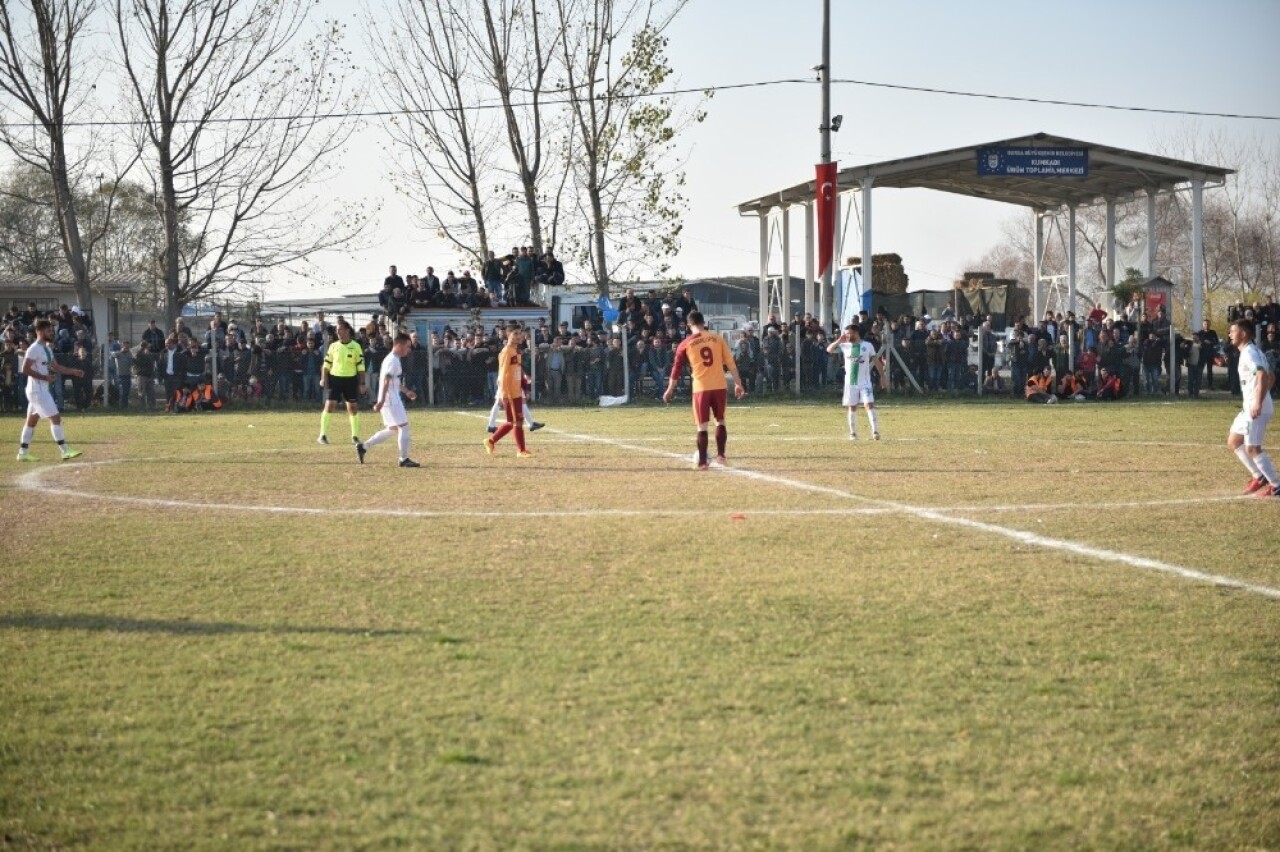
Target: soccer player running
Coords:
[(858, 358), (395, 421), (509, 373), (342, 376), (1245, 437), (41, 372), (708, 357)]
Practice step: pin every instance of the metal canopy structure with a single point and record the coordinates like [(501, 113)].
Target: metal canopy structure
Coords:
[(1109, 175)]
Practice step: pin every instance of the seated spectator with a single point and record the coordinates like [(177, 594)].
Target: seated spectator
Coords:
[(550, 272), (1109, 386), (431, 281), (1039, 387), (1073, 386), (419, 298), (448, 297), (398, 305)]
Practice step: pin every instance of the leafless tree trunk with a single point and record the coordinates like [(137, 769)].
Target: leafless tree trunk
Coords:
[(516, 51), (1269, 225), (447, 138), (613, 61), (43, 70), (236, 112)]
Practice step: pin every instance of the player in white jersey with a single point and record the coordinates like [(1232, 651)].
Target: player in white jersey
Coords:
[(1245, 437), (859, 357), (395, 421), (41, 371)]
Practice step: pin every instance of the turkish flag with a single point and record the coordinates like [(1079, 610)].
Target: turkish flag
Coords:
[(827, 195)]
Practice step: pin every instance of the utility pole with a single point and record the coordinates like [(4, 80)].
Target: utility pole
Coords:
[(825, 156), (825, 77)]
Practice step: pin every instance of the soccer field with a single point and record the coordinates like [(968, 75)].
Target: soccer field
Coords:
[(1001, 626)]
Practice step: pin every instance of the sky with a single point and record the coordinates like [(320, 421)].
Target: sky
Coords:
[(1173, 54), (1169, 55)]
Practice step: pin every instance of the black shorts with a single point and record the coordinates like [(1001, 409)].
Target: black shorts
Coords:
[(344, 389)]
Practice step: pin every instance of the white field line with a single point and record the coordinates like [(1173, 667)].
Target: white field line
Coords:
[(34, 481), (940, 517), (841, 439), (978, 508)]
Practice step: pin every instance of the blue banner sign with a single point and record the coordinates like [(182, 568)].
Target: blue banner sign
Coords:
[(1034, 162)]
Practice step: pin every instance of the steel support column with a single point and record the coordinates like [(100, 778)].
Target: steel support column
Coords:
[(1197, 254), (764, 265), (808, 257), (1071, 255), (1111, 244), (784, 290), (867, 274), (1037, 299)]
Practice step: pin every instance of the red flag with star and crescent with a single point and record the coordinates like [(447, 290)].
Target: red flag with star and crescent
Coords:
[(827, 194)]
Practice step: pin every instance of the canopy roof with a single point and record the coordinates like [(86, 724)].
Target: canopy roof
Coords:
[(1112, 173), (111, 285)]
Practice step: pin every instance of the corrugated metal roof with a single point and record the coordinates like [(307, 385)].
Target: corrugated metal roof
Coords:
[(112, 285), (1113, 172)]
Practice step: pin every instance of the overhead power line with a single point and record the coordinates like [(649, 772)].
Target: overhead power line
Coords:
[(1052, 102), (488, 105)]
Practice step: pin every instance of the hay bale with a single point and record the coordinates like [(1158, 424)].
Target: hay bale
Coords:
[(887, 272)]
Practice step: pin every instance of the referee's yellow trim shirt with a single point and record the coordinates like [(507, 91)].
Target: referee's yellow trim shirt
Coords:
[(344, 360)]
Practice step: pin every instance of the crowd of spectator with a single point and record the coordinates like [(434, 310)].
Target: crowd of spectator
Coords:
[(1060, 356), (74, 344), (506, 281)]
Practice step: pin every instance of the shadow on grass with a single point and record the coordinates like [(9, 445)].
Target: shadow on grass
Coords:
[(116, 624)]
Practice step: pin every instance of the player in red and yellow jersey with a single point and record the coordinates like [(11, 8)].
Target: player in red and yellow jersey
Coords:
[(708, 357), (512, 394)]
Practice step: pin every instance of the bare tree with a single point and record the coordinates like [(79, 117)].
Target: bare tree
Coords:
[(614, 64), (122, 219), (516, 49), (44, 71), (1012, 256), (1240, 218), (448, 141), (30, 241), (1269, 220), (236, 112)]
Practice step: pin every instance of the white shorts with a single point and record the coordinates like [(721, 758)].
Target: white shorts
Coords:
[(41, 403), (858, 394), (1252, 428), (393, 413)]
